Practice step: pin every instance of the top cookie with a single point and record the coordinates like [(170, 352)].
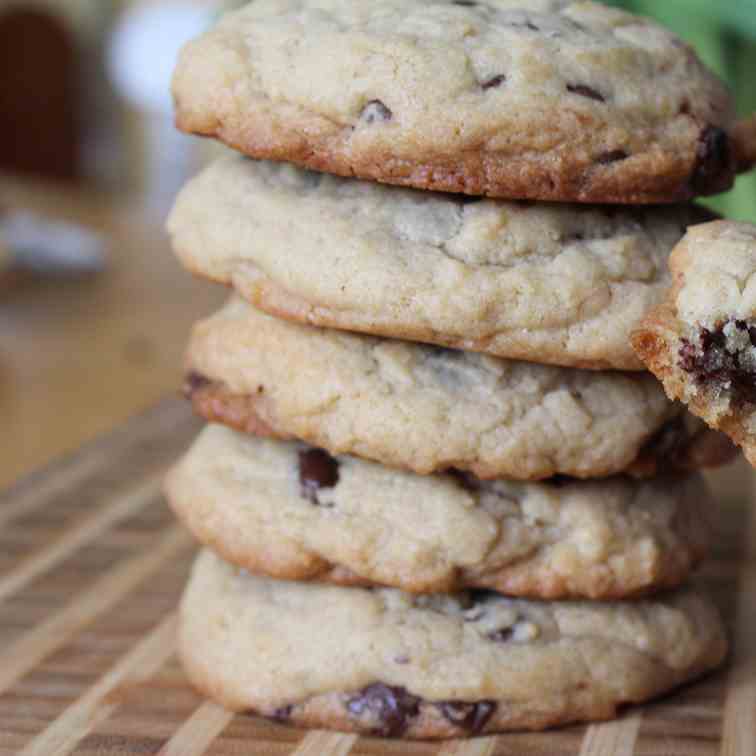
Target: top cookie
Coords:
[(536, 99), (701, 342)]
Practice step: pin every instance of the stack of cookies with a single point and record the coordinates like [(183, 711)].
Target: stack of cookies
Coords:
[(438, 493)]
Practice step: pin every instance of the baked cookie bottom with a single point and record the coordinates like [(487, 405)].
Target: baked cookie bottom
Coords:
[(383, 663)]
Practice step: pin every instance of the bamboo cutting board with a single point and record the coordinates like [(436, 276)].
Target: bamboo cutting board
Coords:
[(91, 568)]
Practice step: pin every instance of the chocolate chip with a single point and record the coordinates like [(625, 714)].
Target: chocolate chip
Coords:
[(193, 383), (283, 714), (614, 156), (464, 3), (468, 199), (376, 111), (443, 352), (713, 159), (470, 717), (482, 595), (711, 363), (559, 481), (501, 636), (496, 81), (526, 25), (464, 480), (317, 469), (390, 708), (585, 91)]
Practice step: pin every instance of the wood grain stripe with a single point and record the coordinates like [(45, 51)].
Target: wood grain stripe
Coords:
[(13, 505), (196, 735), (616, 738), (477, 747), (79, 535), (318, 743), (97, 704), (738, 729), (20, 657), (60, 477)]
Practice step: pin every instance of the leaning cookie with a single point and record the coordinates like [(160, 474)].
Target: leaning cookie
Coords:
[(427, 409), (382, 662), (558, 284), (547, 100), (701, 343), (294, 512)]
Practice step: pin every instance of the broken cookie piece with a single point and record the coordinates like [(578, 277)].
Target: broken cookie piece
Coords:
[(701, 342)]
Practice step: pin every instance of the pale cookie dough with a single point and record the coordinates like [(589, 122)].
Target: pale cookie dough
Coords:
[(383, 662), (701, 343), (555, 284), (427, 409), (538, 99), (294, 512)]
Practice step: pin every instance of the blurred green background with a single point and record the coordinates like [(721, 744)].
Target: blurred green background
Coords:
[(724, 33)]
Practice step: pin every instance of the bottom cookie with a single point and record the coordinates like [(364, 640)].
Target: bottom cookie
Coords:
[(383, 662)]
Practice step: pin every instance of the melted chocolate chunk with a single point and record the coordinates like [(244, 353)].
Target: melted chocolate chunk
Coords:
[(615, 156), (470, 717), (375, 111), (494, 82), (713, 159), (390, 707), (711, 363), (317, 469), (585, 91), (193, 383)]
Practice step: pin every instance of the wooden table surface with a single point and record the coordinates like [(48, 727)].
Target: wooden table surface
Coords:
[(79, 357)]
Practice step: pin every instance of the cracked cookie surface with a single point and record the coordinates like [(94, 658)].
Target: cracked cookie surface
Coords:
[(294, 512), (701, 342), (427, 409), (382, 662), (559, 284), (539, 99)]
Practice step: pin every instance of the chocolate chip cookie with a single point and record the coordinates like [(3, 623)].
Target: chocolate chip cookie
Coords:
[(427, 409), (524, 99), (386, 663), (701, 342), (559, 284), (295, 512)]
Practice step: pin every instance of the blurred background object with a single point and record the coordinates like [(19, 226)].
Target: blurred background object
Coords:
[(58, 117), (142, 55)]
